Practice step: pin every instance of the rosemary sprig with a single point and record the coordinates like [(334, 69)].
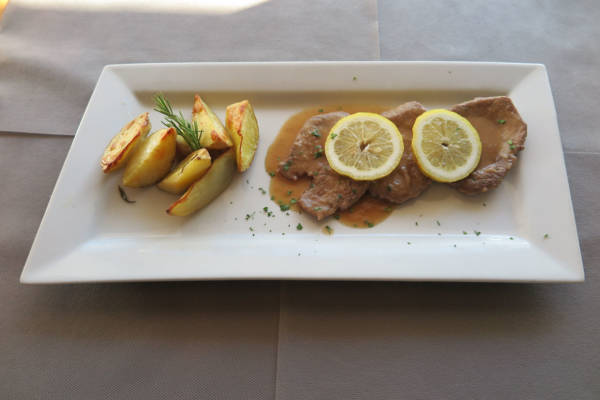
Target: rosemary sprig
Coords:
[(187, 130)]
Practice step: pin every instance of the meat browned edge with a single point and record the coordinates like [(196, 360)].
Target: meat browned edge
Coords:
[(329, 191), (501, 113)]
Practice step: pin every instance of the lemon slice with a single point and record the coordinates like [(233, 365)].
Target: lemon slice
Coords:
[(364, 146), (446, 146)]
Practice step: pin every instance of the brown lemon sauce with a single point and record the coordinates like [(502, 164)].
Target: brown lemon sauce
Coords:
[(491, 141), (366, 213)]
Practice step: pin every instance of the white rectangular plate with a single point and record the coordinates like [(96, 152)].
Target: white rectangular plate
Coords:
[(89, 234)]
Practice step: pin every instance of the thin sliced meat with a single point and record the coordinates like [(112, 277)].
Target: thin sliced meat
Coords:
[(307, 154), (329, 191), (406, 181), (502, 133)]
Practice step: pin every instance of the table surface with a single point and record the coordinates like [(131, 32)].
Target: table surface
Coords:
[(295, 340)]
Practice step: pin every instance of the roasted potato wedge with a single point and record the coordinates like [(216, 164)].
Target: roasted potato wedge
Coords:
[(205, 190), (121, 146), (241, 123), (183, 148), (152, 159), (214, 135), (187, 172)]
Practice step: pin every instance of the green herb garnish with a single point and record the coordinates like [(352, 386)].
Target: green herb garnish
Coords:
[(263, 191), (369, 224), (336, 216), (546, 236), (477, 233), (317, 208), (315, 133), (284, 207), (187, 130), (293, 201), (438, 223), (501, 121), (328, 228), (287, 165), (299, 226), (333, 135), (124, 196), (271, 173), (320, 110)]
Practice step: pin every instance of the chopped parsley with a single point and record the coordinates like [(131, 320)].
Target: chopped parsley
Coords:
[(354, 78), (263, 191), (407, 242), (289, 192), (315, 133), (416, 223), (477, 233), (250, 216), (317, 208), (333, 135), (369, 224), (271, 173), (284, 207), (328, 228), (511, 238), (312, 185), (464, 232), (319, 153), (339, 196), (546, 236), (336, 216), (438, 223), (293, 201), (287, 165), (320, 110), (501, 121), (299, 226)]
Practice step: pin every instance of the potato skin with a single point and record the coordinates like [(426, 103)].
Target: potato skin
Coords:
[(123, 144), (152, 159), (187, 172), (207, 188)]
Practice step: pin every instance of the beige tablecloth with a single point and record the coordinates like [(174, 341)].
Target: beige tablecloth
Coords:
[(292, 340)]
